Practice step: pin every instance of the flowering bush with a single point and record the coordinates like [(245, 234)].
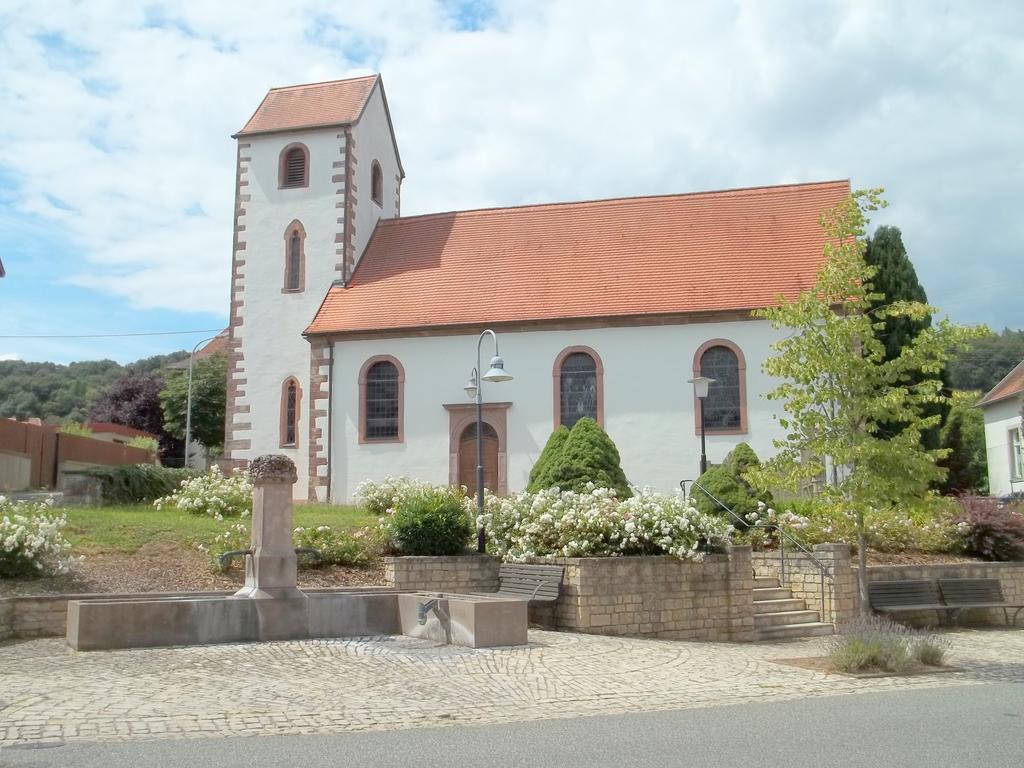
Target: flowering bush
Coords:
[(384, 497), (337, 546), (991, 529), (32, 542), (595, 523), (212, 494), (235, 536), (431, 521)]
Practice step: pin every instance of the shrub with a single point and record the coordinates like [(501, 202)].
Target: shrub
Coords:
[(595, 523), (337, 546), (433, 521), (991, 529), (586, 456), (384, 497), (871, 643), (232, 538), (75, 428), (212, 494), (726, 482), (139, 483), (930, 649), (32, 541), (540, 475), (150, 444)]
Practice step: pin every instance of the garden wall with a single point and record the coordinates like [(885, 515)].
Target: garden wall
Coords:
[(458, 573), (659, 597), (802, 577)]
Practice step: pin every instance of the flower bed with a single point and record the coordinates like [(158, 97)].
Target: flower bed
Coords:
[(212, 494), (32, 542)]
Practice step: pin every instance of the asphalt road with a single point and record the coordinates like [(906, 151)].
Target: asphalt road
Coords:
[(980, 725)]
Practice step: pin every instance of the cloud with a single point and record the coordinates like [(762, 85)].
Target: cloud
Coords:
[(117, 118), (9, 356)]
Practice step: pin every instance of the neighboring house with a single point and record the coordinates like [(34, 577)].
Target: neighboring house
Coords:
[(353, 331), (1002, 407), (110, 432), (218, 345)]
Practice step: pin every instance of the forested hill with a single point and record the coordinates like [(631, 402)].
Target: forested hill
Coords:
[(58, 393)]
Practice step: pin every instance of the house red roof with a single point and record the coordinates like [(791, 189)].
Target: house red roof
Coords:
[(702, 252), (1010, 385), (338, 102)]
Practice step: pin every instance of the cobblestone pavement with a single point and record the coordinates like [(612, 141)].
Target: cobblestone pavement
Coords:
[(49, 693)]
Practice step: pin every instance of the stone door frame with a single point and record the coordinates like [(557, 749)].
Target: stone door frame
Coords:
[(462, 415)]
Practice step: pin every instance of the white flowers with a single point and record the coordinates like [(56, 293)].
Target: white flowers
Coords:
[(382, 498), (597, 524), (212, 494), (32, 541)]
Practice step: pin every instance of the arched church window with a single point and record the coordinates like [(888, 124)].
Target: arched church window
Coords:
[(725, 406), (381, 392), (290, 397), (376, 183), (578, 378), (294, 257), (294, 167)]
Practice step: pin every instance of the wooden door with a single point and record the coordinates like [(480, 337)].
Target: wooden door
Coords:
[(467, 458)]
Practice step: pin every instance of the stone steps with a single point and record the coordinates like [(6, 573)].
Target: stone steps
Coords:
[(774, 606), (780, 616)]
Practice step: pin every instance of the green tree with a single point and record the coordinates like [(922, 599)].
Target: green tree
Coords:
[(209, 401), (963, 435), (540, 474), (838, 387), (727, 483), (586, 455)]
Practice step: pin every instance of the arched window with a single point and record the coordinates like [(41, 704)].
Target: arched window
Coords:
[(381, 395), (725, 407), (294, 257), (291, 397), (293, 170), (578, 392), (376, 183)]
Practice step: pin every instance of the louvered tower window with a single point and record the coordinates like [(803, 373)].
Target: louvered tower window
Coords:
[(295, 167)]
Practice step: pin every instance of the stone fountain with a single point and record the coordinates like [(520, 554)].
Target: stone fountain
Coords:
[(270, 606)]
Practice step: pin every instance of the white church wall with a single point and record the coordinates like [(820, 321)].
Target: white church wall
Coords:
[(372, 138), (273, 321), (1000, 419), (648, 406)]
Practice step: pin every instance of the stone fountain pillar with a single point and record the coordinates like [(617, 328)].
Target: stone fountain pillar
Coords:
[(270, 572)]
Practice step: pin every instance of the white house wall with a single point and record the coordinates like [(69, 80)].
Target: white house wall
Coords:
[(372, 139), (648, 404), (1000, 418), (273, 322)]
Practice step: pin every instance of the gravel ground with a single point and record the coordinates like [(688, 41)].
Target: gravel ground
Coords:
[(168, 567)]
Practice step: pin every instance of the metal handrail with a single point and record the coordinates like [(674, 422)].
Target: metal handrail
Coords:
[(824, 571)]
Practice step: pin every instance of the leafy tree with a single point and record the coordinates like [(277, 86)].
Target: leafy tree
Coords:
[(209, 401), (134, 401), (586, 455), (838, 387), (987, 360), (963, 435), (540, 475)]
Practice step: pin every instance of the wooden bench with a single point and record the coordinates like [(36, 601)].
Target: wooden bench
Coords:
[(536, 583), (906, 596), (961, 594)]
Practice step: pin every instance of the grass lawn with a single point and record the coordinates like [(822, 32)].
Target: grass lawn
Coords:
[(126, 528)]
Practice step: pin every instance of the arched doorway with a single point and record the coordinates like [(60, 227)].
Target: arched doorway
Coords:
[(467, 458)]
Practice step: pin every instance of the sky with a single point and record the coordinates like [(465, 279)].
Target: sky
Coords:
[(117, 163)]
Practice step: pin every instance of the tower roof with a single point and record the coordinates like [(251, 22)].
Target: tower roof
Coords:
[(314, 105)]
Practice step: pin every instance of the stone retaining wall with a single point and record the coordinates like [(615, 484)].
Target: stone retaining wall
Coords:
[(458, 573), (659, 597), (842, 600)]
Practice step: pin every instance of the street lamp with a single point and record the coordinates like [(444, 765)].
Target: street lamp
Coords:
[(474, 388), (700, 389), (188, 398)]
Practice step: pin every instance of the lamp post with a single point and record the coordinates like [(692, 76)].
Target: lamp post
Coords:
[(474, 388), (700, 389), (188, 398)]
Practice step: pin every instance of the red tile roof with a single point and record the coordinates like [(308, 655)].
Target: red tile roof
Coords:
[(1011, 384), (702, 252), (338, 102), (218, 345)]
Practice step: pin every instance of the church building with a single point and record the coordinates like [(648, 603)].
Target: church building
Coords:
[(354, 330)]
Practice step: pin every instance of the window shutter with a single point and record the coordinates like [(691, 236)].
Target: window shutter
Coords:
[(295, 168)]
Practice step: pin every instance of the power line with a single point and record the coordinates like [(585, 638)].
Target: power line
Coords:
[(114, 335)]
